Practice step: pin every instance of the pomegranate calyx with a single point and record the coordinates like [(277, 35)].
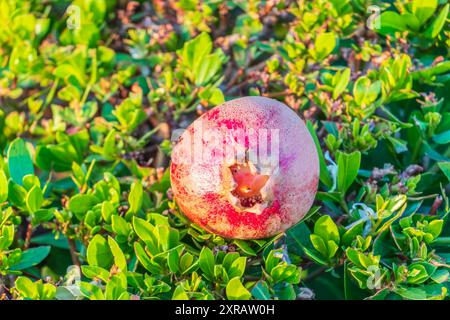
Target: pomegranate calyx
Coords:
[(251, 190)]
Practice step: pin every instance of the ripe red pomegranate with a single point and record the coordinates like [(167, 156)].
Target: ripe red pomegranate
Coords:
[(246, 169)]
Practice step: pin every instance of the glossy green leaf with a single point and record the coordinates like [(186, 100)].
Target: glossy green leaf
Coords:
[(348, 166), (236, 291), (34, 199), (31, 257), (99, 253), (19, 161)]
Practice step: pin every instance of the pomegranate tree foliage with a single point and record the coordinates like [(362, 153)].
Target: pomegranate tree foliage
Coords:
[(89, 97)]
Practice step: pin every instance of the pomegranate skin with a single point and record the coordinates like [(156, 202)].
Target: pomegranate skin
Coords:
[(205, 189)]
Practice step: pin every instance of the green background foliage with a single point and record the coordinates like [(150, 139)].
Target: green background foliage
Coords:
[(90, 94)]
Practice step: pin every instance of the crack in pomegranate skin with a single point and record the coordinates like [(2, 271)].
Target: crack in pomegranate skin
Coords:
[(247, 203)]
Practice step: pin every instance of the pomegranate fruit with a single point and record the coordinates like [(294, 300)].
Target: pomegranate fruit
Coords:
[(247, 169)]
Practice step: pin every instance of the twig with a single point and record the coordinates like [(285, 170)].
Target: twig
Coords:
[(277, 94), (31, 275), (257, 67), (237, 87), (28, 236), (73, 252), (436, 204), (234, 79)]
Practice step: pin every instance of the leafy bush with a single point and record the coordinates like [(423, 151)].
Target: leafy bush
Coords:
[(91, 92)]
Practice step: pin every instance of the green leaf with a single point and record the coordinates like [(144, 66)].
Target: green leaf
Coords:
[(119, 257), (348, 166), (107, 211), (110, 149), (3, 187), (46, 291), (173, 261), (206, 70), (285, 292), (214, 96), (143, 229), (343, 78), (314, 256), (99, 253), (42, 215), (319, 245), (245, 247), (417, 274), (26, 288), (440, 276), (120, 226), (236, 291), (411, 21), (17, 194), (180, 294), (237, 268), (195, 49), (135, 197), (442, 138), (332, 248), (391, 22), (6, 236), (31, 257), (229, 258), (324, 45), (428, 73), (272, 260), (353, 256), (326, 229), (433, 154), (398, 144), (92, 272), (424, 9), (351, 233), (34, 199), (325, 176), (130, 113), (186, 262), (197, 57), (438, 23), (206, 261), (411, 293), (91, 291), (297, 237), (445, 168), (286, 273), (79, 142), (52, 240), (19, 161), (81, 203), (435, 228), (116, 287), (261, 291), (366, 92), (145, 260), (29, 181), (163, 185)]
